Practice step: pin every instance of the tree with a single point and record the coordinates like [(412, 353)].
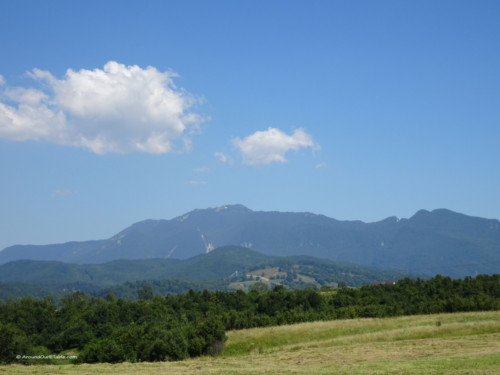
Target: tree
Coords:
[(341, 284), (145, 293), (13, 342), (260, 287), (103, 350)]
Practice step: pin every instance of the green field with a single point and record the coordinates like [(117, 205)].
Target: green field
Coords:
[(460, 343)]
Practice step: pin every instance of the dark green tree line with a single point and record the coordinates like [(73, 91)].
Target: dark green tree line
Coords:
[(175, 327)]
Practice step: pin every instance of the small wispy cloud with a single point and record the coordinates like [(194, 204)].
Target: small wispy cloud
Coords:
[(320, 165), (271, 145), (201, 170), (223, 158), (62, 193), (195, 182)]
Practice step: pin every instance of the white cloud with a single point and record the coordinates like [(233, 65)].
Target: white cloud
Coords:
[(223, 158), (195, 182), (30, 97), (320, 165), (117, 109), (271, 145), (62, 193), (201, 170)]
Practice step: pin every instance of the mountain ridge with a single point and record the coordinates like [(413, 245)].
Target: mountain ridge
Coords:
[(437, 241)]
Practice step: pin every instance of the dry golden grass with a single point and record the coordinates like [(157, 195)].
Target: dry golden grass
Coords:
[(463, 343)]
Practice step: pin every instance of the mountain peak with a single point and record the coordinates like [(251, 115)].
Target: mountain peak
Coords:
[(223, 208), (440, 214), (232, 207), (420, 214)]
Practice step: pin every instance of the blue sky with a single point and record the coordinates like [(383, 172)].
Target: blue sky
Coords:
[(112, 112)]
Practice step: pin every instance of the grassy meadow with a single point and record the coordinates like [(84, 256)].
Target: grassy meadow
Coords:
[(459, 343)]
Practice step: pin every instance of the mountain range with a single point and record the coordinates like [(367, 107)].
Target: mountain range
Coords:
[(430, 242)]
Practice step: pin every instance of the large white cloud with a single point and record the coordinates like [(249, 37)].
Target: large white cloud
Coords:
[(117, 109), (271, 145)]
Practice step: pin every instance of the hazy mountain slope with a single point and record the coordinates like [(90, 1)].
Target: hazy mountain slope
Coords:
[(443, 242), (222, 263), (55, 273), (218, 264), (440, 241)]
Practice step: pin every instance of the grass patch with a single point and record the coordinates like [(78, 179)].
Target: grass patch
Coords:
[(463, 343)]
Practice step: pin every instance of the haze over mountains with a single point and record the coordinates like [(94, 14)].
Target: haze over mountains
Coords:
[(440, 241)]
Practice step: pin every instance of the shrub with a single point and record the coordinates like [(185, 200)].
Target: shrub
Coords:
[(13, 342)]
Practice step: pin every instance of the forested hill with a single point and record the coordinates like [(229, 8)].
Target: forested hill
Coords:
[(226, 268), (440, 241)]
